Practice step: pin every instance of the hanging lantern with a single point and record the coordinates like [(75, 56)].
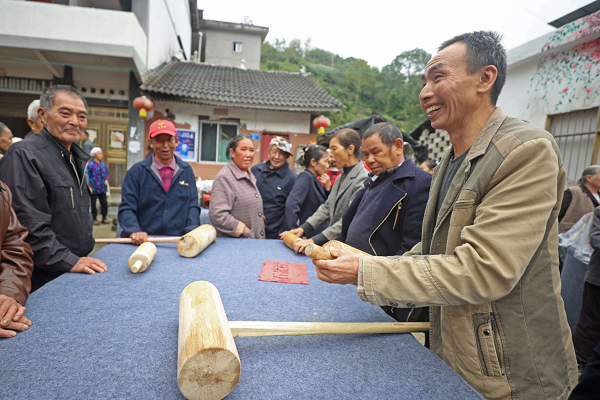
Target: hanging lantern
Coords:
[(321, 122), (143, 104)]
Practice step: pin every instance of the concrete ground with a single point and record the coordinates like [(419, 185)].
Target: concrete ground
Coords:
[(106, 230)]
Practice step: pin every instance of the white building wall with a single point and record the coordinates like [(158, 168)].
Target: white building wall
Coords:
[(166, 20), (219, 48)]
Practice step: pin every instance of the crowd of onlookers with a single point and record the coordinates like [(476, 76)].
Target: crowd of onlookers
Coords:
[(472, 249)]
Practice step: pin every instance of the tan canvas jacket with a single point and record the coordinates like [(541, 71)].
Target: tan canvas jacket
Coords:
[(489, 267)]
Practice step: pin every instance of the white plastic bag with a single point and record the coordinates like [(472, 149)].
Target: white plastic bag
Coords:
[(578, 237)]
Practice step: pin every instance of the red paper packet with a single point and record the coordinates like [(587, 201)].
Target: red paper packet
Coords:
[(284, 272)]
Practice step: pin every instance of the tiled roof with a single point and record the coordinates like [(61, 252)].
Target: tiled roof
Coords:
[(218, 85)]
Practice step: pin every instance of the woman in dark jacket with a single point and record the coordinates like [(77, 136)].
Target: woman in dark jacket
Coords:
[(310, 190)]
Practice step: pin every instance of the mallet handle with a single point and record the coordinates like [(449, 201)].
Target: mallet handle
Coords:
[(170, 239), (266, 328)]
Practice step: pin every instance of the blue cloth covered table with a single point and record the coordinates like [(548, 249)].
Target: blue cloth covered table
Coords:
[(114, 335)]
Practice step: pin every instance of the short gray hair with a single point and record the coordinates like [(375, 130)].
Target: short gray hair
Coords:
[(3, 127), (32, 110), (483, 48), (388, 133), (589, 171), (47, 99)]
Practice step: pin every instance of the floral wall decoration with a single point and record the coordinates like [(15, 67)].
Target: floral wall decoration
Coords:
[(582, 27), (567, 80)]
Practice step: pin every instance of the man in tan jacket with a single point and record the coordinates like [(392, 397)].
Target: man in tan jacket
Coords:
[(487, 264)]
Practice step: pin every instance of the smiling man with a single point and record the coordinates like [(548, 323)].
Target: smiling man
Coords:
[(487, 263), (46, 176), (275, 180), (159, 195)]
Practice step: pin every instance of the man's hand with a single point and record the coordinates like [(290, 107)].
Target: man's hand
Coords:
[(343, 270), (298, 232), (21, 325), (89, 265), (10, 311), (300, 245), (139, 237), (325, 181)]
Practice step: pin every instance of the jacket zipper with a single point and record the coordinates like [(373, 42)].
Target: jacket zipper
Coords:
[(397, 212), (80, 181), (399, 205), (496, 342), (72, 198)]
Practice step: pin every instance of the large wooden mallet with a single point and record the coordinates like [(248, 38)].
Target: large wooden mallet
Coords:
[(289, 239), (208, 364), (189, 245)]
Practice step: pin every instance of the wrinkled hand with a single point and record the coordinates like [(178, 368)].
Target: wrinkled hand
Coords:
[(325, 181), (343, 270), (300, 245), (21, 325), (89, 265), (298, 232), (139, 238), (10, 311)]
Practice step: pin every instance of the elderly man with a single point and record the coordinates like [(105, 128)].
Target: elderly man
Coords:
[(487, 263), (33, 120), (16, 267), (275, 180), (580, 199), (6, 139), (86, 144), (386, 217), (159, 195), (46, 176)]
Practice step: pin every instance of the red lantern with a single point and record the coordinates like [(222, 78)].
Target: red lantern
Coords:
[(321, 122), (143, 104)]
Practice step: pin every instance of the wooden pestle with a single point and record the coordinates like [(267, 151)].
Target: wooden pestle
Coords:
[(289, 240), (317, 252), (142, 257)]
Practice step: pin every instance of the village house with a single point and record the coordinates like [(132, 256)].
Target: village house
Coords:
[(554, 83)]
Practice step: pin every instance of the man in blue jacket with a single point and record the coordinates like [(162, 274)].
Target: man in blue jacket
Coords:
[(275, 180), (159, 195), (385, 217)]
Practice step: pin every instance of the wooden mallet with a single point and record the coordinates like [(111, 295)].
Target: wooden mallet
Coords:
[(189, 245), (208, 364), (142, 257)]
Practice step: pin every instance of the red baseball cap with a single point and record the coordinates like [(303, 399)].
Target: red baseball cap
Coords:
[(162, 126)]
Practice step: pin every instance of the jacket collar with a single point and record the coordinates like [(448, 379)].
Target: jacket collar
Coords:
[(478, 148), (405, 170), (76, 151), (282, 171), (349, 178), (147, 162), (237, 172)]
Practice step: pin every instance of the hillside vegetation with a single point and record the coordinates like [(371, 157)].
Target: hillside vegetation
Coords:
[(392, 92)]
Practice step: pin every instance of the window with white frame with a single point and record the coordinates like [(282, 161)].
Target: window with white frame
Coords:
[(214, 138), (237, 47)]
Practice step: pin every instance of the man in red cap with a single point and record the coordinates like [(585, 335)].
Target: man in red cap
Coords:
[(159, 195)]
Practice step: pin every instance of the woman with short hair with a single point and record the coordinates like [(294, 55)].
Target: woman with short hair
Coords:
[(236, 208)]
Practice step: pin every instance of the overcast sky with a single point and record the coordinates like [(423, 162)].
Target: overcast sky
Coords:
[(377, 31)]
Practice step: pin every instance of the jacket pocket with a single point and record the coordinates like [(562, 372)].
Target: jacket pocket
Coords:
[(64, 198), (488, 344)]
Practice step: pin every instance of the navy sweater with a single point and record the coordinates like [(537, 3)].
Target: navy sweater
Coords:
[(146, 207), (304, 199)]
